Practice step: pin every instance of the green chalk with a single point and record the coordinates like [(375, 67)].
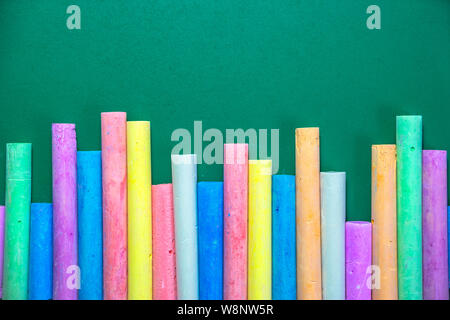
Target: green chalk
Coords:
[(17, 221), (409, 207)]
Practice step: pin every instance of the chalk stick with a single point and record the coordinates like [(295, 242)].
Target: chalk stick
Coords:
[(448, 245), (184, 180), (409, 207), (2, 237), (114, 191), (283, 238), (210, 240), (139, 211), (260, 229), (17, 221), (307, 173), (333, 209), (66, 278), (164, 258), (358, 257), (434, 210), (41, 252), (90, 230), (235, 175), (384, 219)]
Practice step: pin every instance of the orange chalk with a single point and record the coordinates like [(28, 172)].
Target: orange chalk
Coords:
[(307, 180), (384, 219)]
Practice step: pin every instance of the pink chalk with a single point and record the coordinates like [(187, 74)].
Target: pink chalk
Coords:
[(434, 225), (235, 215), (2, 238), (164, 262), (114, 184), (64, 173), (358, 259)]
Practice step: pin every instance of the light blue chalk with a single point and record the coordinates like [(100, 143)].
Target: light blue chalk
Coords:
[(333, 208), (184, 180), (283, 238), (210, 239), (90, 230), (41, 252)]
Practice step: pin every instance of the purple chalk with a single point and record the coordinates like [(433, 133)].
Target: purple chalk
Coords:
[(434, 225), (358, 260), (66, 276), (2, 238)]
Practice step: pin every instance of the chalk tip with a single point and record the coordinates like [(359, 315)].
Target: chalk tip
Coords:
[(63, 124), (18, 145), (138, 122), (332, 173), (358, 222), (216, 184), (119, 115), (184, 158), (162, 185), (409, 118), (89, 152)]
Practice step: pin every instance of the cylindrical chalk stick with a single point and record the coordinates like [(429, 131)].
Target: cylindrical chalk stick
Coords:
[(164, 259), (235, 215), (2, 237), (333, 208), (409, 207), (90, 234), (307, 173), (448, 245), (114, 187), (283, 238), (139, 211), (384, 219), (260, 230), (64, 173), (434, 211), (358, 259), (17, 221), (41, 252), (210, 239), (184, 179)]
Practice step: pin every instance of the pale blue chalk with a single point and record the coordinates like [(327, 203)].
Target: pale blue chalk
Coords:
[(184, 180), (90, 230), (283, 238), (333, 208), (41, 252), (210, 239)]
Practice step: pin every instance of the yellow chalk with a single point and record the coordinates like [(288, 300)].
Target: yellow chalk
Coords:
[(139, 211), (260, 230)]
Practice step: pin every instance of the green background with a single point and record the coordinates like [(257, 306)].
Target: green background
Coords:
[(233, 64)]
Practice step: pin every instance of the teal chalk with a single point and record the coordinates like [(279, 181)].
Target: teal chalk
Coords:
[(333, 208), (283, 238), (184, 180), (41, 252), (90, 230)]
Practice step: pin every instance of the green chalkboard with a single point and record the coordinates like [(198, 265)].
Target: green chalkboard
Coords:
[(262, 64)]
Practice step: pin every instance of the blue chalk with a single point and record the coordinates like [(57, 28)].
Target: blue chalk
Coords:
[(210, 239), (90, 243), (283, 238), (41, 252)]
